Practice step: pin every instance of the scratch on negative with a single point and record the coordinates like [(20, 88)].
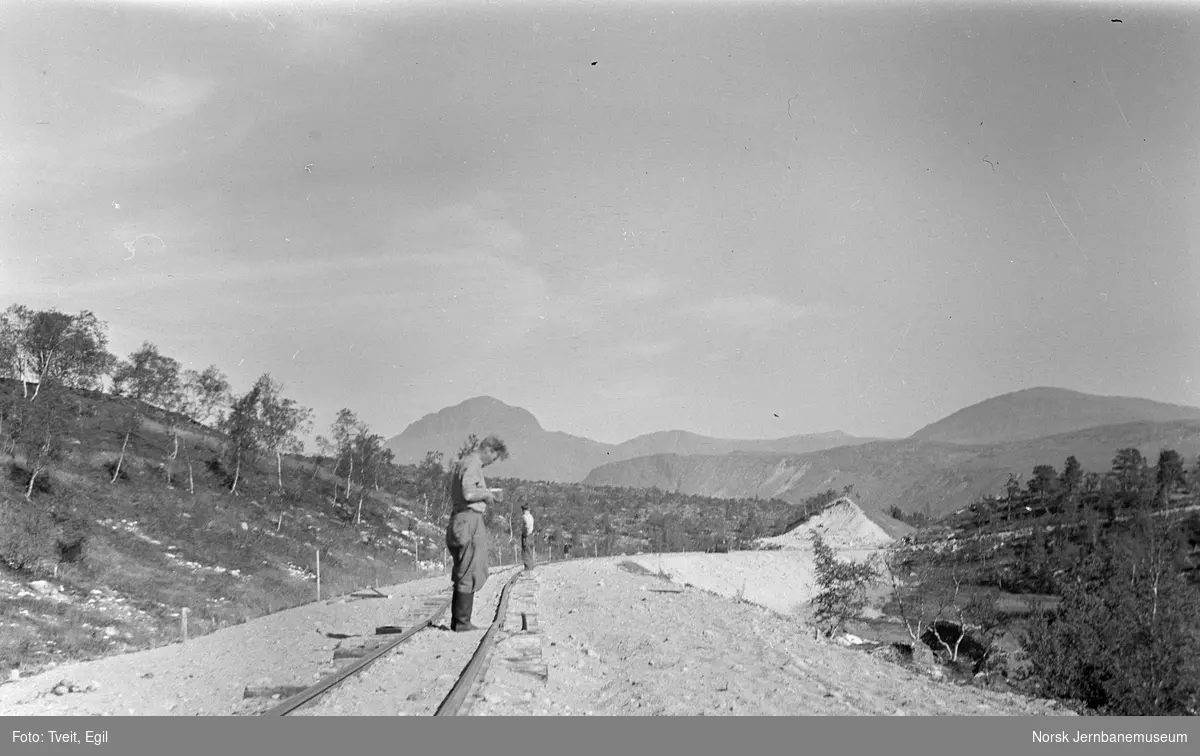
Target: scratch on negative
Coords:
[(129, 245), (1156, 181), (1118, 102), (1060, 220), (903, 336)]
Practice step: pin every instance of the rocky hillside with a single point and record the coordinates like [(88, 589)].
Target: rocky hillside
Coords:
[(1040, 412), (539, 454), (910, 473)]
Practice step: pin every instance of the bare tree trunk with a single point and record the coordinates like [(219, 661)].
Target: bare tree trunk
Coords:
[(191, 483), (121, 459), (236, 474), (32, 478), (349, 477), (358, 517), (279, 466)]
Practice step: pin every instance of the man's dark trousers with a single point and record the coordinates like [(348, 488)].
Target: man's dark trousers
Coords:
[(527, 552)]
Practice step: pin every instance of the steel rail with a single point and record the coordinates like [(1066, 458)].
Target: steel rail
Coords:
[(452, 705), (300, 699), (323, 686)]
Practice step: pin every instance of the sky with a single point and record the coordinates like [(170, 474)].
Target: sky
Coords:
[(742, 220)]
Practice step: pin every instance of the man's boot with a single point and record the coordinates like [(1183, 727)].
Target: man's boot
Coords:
[(460, 612)]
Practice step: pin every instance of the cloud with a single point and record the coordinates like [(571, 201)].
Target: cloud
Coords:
[(170, 94), (645, 390), (645, 349), (755, 311)]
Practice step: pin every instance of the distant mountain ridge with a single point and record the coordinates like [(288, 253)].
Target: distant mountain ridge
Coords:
[(944, 465), (1045, 411), (908, 473), (538, 454)]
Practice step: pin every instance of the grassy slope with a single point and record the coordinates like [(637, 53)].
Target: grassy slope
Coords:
[(234, 557)]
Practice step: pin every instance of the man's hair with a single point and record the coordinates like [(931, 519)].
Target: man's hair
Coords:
[(496, 445)]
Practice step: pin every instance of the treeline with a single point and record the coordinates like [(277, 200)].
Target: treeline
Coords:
[(52, 357), (1131, 483), (57, 374), (1116, 550), (577, 520), (1063, 515)]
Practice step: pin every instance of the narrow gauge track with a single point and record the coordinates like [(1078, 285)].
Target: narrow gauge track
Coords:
[(452, 704)]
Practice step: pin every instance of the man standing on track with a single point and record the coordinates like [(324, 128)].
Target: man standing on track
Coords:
[(527, 552), (466, 536)]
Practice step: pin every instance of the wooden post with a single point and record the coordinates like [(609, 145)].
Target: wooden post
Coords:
[(183, 623), (318, 573)]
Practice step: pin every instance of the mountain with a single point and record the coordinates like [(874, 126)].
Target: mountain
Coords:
[(534, 453), (538, 454), (909, 473), (1039, 412), (682, 442)]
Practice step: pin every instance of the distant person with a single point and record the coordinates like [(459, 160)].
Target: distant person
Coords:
[(527, 552), (466, 535)]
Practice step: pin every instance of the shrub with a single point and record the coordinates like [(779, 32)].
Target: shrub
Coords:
[(1124, 639), (943, 609), (843, 587), (28, 536), (20, 476), (111, 469), (71, 539)]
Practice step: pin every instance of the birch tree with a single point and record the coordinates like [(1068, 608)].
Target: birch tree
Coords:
[(342, 434), (368, 450), (281, 423), (39, 428), (207, 393), (148, 378), (241, 428), (52, 347)]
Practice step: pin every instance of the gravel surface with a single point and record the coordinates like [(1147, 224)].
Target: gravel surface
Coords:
[(616, 643), (680, 634), (208, 675), (414, 678)]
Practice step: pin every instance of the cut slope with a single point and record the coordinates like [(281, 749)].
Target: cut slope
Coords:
[(843, 525)]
